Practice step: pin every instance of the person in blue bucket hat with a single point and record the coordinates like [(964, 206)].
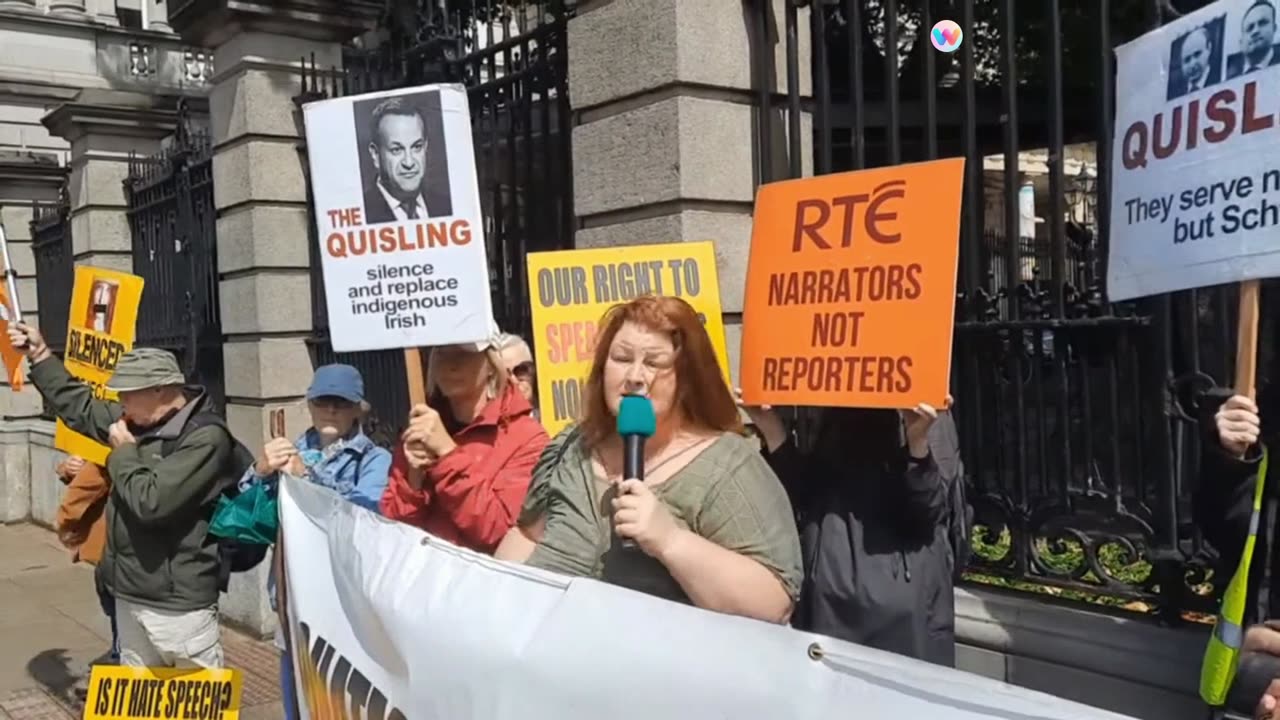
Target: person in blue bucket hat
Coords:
[(335, 453)]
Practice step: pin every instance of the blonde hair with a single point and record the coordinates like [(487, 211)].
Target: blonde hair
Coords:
[(494, 388)]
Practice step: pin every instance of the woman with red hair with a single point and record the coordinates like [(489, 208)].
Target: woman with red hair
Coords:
[(710, 524)]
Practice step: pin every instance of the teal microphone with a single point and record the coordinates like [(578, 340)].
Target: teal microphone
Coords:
[(636, 424)]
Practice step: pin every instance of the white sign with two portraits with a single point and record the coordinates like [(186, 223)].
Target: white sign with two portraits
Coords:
[(399, 221), (1195, 172)]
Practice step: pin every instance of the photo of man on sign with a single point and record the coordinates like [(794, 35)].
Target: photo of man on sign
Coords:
[(406, 175)]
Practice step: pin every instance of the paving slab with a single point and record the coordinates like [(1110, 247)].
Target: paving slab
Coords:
[(53, 630)]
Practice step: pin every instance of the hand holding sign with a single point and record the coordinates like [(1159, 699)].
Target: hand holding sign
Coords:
[(1239, 425), (916, 423), (28, 339), (768, 423), (426, 440), (276, 455)]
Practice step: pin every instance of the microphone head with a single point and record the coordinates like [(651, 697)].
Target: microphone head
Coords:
[(635, 416)]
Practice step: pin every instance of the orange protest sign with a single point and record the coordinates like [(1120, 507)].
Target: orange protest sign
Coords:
[(851, 288), (10, 355)]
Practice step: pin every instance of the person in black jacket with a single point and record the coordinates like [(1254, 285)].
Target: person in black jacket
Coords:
[(872, 498), (1235, 431)]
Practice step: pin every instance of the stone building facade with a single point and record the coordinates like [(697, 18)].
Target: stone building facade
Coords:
[(83, 85)]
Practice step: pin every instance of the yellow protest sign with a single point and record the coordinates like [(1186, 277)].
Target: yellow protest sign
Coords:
[(100, 328), (134, 693), (570, 291)]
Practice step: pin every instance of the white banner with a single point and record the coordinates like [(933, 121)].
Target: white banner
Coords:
[(1195, 195), (402, 625), (397, 209)]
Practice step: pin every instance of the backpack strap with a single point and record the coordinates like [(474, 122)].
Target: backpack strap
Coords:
[(204, 418)]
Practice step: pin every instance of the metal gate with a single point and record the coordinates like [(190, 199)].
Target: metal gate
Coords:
[(172, 220), (1076, 414), (55, 267), (513, 62)]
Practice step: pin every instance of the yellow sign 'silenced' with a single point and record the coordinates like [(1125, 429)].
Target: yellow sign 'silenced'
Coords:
[(135, 693), (100, 328), (571, 290)]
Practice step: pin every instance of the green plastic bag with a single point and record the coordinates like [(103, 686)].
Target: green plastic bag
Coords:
[(252, 517)]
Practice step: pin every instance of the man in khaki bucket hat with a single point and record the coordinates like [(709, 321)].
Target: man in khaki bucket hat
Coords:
[(167, 473)]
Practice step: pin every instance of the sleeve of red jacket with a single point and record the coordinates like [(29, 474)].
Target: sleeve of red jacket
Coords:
[(400, 501), (482, 494)]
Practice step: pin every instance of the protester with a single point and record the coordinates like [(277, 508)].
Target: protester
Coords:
[(873, 503), (1230, 462), (81, 527), (334, 453), (160, 564), (463, 467), (518, 359), (710, 522)]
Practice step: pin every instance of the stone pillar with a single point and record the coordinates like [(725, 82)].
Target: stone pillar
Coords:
[(104, 127), (158, 15), (24, 178), (69, 8), (260, 193), (665, 146), (104, 12)]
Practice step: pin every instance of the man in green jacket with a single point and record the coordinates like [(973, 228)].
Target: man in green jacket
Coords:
[(161, 564)]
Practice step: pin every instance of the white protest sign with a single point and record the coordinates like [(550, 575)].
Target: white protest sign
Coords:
[(1195, 195), (390, 623), (393, 179)]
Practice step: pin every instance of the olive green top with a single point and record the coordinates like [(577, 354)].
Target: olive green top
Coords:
[(726, 494)]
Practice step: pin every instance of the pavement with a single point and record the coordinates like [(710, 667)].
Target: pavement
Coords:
[(52, 630)]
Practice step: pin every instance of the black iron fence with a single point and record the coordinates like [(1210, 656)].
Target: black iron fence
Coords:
[(513, 61), (1076, 414), (55, 267), (174, 242)]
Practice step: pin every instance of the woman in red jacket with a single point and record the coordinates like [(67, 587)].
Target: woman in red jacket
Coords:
[(463, 467)]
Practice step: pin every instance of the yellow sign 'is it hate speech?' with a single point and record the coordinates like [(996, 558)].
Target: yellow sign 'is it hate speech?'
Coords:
[(136, 693)]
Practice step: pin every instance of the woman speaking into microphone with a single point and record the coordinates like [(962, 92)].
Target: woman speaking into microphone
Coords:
[(709, 525)]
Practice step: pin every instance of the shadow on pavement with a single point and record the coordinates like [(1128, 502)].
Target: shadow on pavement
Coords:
[(54, 671)]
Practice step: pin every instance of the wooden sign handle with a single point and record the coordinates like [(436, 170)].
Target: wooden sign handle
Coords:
[(415, 371), (1247, 341)]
